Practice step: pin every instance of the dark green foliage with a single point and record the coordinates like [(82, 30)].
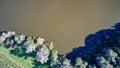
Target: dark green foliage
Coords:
[(19, 51)]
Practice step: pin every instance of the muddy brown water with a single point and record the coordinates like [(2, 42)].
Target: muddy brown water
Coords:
[(65, 22)]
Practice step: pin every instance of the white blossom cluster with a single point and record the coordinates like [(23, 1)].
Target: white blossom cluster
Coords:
[(110, 55), (80, 63), (103, 63), (15, 40), (4, 35), (62, 63), (29, 45), (40, 40), (66, 64), (46, 52), (19, 38), (30, 48), (42, 55)]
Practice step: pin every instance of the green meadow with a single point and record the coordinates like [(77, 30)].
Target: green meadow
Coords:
[(8, 60)]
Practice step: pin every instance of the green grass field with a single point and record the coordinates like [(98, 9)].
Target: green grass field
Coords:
[(8, 60)]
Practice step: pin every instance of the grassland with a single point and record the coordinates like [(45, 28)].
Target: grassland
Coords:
[(8, 60)]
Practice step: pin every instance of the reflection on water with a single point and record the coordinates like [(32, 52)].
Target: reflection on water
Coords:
[(66, 23)]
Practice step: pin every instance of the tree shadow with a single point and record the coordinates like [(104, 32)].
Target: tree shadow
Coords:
[(101, 38)]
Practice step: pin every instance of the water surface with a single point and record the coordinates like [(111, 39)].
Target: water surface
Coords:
[(65, 22)]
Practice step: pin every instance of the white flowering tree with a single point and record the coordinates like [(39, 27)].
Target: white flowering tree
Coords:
[(102, 63), (110, 55), (80, 63), (4, 35), (42, 55), (66, 64)]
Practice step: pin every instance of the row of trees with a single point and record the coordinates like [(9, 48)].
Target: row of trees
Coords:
[(101, 50)]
